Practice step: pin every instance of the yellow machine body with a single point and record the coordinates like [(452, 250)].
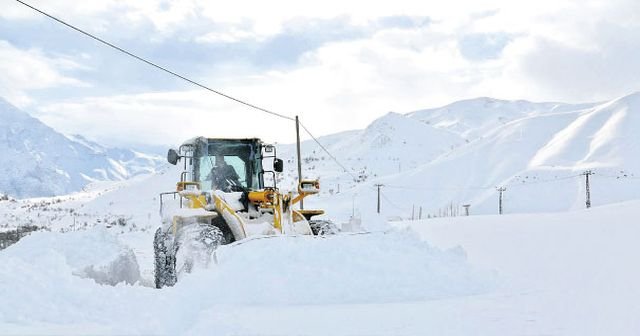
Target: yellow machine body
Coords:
[(209, 204)]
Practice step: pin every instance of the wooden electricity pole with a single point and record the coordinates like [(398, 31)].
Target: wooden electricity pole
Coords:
[(299, 159), (501, 190), (379, 186), (587, 187), (466, 209)]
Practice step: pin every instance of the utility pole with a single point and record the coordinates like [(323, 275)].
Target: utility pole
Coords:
[(420, 213), (587, 187), (466, 209), (299, 159), (501, 190), (379, 185), (413, 211)]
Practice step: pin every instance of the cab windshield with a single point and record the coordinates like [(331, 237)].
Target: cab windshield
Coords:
[(228, 165)]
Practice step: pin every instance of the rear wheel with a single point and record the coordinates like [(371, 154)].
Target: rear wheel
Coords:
[(321, 227)]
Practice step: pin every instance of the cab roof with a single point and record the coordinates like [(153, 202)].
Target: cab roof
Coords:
[(195, 140)]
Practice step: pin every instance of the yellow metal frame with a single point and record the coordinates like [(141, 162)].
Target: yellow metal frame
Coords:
[(302, 194), (222, 206), (268, 199)]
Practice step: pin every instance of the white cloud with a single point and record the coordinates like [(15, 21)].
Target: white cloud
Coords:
[(339, 86), (557, 50), (577, 51), (231, 35), (165, 118), (25, 70), (15, 10)]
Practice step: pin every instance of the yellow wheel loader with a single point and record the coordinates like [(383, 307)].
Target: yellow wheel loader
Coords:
[(227, 192)]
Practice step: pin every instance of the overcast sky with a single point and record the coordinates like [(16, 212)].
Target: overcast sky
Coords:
[(337, 64)]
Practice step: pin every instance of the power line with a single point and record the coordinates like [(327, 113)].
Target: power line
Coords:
[(544, 181), (139, 58), (173, 73), (617, 177), (392, 204), (327, 151), (435, 188)]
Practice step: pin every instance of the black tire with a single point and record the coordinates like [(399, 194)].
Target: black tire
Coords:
[(321, 227), (202, 239), (165, 260)]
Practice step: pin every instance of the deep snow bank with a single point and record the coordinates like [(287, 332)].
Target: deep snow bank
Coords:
[(361, 268), (95, 254), (44, 292), (52, 283)]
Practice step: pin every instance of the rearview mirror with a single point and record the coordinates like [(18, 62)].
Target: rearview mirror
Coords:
[(277, 165), (173, 157)]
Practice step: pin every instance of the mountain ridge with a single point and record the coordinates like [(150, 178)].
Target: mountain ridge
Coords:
[(516, 144), (39, 161)]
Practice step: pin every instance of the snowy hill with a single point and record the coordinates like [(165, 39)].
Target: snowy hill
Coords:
[(390, 144), (38, 161), (472, 118), (440, 159)]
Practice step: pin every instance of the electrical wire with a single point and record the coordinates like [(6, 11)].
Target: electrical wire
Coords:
[(617, 177), (543, 181), (139, 58), (326, 150), (391, 203), (441, 188), (183, 77)]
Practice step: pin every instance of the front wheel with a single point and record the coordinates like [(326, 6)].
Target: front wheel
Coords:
[(192, 246), (165, 259)]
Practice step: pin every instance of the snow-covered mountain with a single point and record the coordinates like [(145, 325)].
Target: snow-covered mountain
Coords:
[(473, 118), (430, 161), (389, 145), (442, 158), (38, 161)]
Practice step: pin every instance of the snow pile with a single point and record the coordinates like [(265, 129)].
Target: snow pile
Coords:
[(95, 254), (42, 284), (560, 274), (356, 268), (49, 281)]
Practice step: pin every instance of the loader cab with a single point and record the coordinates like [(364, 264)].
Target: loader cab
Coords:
[(242, 160)]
